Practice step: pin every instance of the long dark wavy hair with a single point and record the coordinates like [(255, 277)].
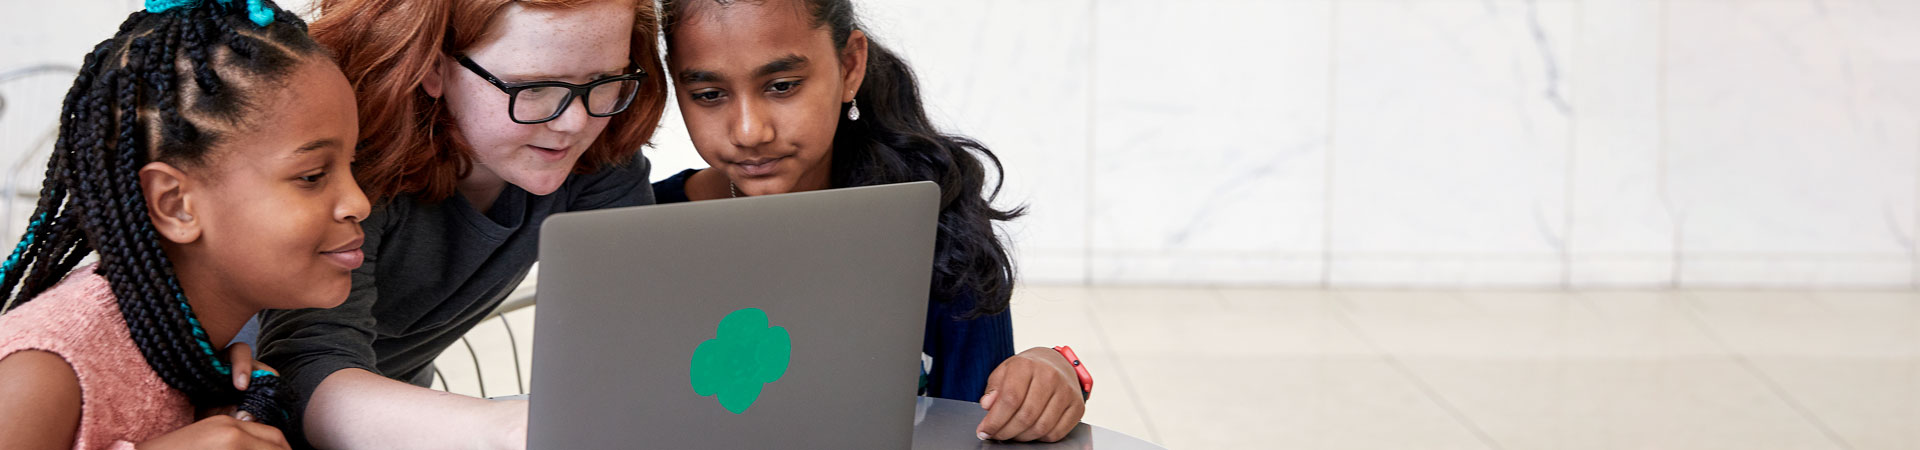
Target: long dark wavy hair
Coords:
[(161, 89), (895, 142)]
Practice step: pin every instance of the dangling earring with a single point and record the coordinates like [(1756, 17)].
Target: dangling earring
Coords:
[(853, 112)]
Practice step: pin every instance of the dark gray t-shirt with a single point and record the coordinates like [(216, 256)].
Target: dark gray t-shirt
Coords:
[(432, 272)]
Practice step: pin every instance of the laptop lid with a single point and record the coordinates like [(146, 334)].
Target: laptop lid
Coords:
[(790, 321)]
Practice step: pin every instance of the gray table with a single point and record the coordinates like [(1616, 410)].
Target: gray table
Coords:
[(948, 424), (939, 423)]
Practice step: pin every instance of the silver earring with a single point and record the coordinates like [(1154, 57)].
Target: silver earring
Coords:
[(853, 112)]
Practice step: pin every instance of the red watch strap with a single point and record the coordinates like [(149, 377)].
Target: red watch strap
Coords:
[(1086, 379)]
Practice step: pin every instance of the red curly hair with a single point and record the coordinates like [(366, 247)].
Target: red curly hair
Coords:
[(386, 47)]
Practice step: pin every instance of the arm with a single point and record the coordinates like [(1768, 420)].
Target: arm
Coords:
[(1033, 395), (42, 411), (355, 408), (965, 351)]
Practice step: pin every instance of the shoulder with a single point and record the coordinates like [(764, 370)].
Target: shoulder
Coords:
[(625, 173), (43, 392), (36, 373), (674, 188), (616, 185), (386, 217), (78, 308)]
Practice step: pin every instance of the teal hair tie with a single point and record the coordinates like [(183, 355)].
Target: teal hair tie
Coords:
[(257, 12), (199, 332), (160, 6), (21, 248), (260, 14), (261, 373)]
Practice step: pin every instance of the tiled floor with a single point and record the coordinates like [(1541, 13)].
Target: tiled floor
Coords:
[(1249, 368)]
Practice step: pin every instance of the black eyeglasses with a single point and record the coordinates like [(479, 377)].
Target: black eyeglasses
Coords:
[(541, 101)]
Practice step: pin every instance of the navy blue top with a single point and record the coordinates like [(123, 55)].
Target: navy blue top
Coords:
[(964, 351)]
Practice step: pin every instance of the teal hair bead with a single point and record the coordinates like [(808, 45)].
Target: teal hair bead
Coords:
[(260, 14), (257, 373), (21, 247), (160, 6), (257, 12), (199, 333)]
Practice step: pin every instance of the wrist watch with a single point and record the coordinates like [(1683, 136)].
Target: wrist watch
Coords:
[(1086, 379)]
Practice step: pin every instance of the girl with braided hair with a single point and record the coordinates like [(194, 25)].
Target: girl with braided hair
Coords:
[(204, 154)]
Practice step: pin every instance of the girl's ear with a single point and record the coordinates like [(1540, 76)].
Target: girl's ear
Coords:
[(853, 61), (170, 202), (434, 83)]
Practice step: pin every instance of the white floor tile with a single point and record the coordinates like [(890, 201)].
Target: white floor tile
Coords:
[(1287, 368)]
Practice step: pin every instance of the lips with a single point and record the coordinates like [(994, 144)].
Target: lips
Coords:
[(349, 255), (758, 167), (549, 153)]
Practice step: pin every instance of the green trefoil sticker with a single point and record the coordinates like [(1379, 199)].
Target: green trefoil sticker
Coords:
[(744, 355)]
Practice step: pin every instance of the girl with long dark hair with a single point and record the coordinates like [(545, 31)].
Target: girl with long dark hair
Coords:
[(792, 95)]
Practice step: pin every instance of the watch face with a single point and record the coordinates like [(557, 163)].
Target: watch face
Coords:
[(744, 356)]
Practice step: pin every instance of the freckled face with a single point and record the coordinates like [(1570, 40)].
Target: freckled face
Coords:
[(574, 45)]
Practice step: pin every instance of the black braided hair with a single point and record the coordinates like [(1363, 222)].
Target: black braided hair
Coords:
[(895, 142), (167, 87)]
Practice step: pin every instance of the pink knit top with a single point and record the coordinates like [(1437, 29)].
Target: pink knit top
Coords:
[(122, 401)]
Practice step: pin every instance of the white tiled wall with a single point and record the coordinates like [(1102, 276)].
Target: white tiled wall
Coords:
[(1449, 142), (1620, 218), (1454, 143), (1430, 143), (1791, 134)]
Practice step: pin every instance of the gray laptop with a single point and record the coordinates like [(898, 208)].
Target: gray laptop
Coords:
[(786, 321)]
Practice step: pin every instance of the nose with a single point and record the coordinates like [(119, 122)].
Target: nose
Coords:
[(751, 127), (573, 118), (353, 205)]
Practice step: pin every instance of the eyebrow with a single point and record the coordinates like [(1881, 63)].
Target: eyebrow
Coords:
[(791, 62), (542, 76), (315, 145)]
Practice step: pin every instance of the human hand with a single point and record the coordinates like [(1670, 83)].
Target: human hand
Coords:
[(1034, 395)]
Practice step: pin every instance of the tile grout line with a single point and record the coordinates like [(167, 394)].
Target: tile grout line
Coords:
[(1693, 315), (1663, 188), (1563, 372), (1459, 417), (1573, 147), (1913, 368), (1093, 106), (1326, 174), (1120, 369)]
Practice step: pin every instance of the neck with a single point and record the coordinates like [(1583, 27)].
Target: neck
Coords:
[(220, 313), (481, 187)]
